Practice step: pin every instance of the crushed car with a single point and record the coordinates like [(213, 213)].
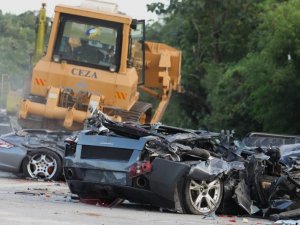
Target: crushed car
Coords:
[(187, 171), (33, 153), (149, 164), (273, 169)]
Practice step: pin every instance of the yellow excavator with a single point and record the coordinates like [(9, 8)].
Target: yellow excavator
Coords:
[(97, 58)]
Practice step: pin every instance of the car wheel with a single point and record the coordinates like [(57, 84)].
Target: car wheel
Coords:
[(202, 197), (43, 164)]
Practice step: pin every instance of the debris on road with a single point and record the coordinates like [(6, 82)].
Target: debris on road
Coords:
[(60, 210), (26, 193), (245, 220)]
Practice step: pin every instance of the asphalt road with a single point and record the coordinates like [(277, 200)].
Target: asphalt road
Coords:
[(50, 203)]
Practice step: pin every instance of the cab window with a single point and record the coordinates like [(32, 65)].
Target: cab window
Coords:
[(89, 42)]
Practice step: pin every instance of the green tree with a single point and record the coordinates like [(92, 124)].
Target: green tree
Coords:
[(16, 44), (267, 96), (276, 101), (212, 34)]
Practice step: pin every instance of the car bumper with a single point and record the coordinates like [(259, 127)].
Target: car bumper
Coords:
[(159, 187), (108, 191)]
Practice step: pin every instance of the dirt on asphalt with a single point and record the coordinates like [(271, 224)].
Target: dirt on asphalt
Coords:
[(36, 202)]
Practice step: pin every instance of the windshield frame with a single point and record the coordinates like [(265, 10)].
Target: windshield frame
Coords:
[(64, 18)]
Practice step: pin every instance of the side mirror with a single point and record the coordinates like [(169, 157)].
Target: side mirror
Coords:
[(134, 24)]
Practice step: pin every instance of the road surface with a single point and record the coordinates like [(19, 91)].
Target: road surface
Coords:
[(30, 202)]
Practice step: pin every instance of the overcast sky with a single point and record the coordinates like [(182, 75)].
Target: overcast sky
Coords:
[(133, 8)]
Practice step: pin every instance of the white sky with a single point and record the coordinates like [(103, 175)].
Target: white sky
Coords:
[(134, 8)]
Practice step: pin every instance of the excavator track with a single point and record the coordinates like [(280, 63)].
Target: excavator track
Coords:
[(139, 112)]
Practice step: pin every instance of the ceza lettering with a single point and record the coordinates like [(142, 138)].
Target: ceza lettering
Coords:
[(84, 73)]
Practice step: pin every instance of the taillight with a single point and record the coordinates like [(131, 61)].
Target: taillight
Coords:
[(4, 144), (140, 168)]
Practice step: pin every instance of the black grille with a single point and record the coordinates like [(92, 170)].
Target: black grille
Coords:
[(100, 152)]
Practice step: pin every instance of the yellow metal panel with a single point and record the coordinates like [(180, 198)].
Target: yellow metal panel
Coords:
[(95, 81), (51, 110), (159, 58), (52, 38), (126, 89), (165, 61), (40, 77), (76, 10), (125, 43)]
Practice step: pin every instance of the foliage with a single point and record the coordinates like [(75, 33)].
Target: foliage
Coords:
[(206, 32), (241, 58), (232, 97), (268, 93), (16, 45), (276, 100)]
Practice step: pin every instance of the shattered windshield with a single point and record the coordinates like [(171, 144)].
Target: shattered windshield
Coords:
[(89, 42)]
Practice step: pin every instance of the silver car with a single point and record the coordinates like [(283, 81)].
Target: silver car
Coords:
[(33, 153)]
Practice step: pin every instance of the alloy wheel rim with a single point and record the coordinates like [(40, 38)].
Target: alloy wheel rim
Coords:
[(42, 166), (205, 195)]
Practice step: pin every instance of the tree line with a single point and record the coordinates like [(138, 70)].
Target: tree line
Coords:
[(16, 46), (240, 67)]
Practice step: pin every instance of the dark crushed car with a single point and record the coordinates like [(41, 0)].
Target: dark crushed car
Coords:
[(33, 153), (274, 163), (145, 164), (196, 172)]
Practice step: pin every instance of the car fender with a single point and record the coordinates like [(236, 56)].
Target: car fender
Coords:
[(58, 151), (165, 177)]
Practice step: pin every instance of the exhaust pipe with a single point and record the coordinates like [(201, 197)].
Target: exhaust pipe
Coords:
[(141, 182), (70, 173)]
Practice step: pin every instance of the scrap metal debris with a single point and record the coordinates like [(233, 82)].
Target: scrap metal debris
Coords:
[(242, 193), (287, 222), (26, 193)]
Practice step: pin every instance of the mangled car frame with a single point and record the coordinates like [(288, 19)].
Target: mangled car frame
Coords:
[(189, 171)]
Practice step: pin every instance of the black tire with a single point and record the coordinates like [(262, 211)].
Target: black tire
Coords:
[(204, 190), (200, 152), (42, 164)]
